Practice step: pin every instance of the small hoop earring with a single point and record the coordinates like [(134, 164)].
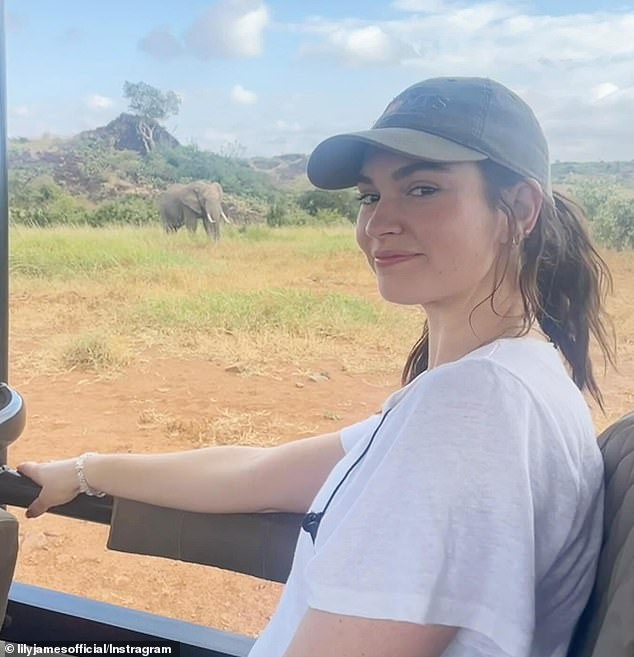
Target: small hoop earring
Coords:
[(516, 240)]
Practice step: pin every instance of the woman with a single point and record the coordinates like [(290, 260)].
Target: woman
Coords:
[(465, 519)]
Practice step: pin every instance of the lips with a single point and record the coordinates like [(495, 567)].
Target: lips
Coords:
[(385, 258)]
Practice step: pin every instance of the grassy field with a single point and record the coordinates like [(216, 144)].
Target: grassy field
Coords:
[(261, 296), (96, 299)]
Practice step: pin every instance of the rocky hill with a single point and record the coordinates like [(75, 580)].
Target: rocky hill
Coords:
[(126, 133), (112, 160), (284, 170)]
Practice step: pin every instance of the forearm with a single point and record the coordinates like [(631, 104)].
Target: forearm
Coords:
[(211, 480)]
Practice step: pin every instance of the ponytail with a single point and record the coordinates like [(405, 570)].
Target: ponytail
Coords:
[(573, 282), (563, 282)]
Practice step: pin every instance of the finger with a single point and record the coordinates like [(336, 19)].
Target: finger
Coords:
[(28, 469), (37, 508)]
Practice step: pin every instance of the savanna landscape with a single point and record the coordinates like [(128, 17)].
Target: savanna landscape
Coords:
[(125, 338)]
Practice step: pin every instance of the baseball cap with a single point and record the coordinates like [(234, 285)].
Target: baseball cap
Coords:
[(461, 119)]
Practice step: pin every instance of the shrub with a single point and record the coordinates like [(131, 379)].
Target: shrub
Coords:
[(343, 202), (330, 218), (593, 195), (610, 210), (182, 163), (613, 224), (130, 210), (276, 216), (42, 202)]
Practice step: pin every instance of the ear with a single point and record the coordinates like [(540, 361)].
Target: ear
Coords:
[(525, 199)]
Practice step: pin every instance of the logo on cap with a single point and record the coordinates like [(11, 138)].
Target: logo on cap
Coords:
[(418, 102)]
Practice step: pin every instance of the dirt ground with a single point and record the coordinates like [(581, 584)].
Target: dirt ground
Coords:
[(163, 405)]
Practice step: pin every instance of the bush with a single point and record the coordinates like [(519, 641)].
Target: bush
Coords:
[(276, 216), (131, 211), (330, 218), (63, 211), (593, 195), (343, 203), (613, 224), (42, 202), (610, 211), (185, 163)]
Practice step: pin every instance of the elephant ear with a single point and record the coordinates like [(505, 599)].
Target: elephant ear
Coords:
[(213, 192), (189, 196)]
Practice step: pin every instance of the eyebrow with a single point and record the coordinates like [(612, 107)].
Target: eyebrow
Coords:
[(409, 169)]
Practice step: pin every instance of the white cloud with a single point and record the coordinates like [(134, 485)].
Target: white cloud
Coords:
[(355, 44), (603, 90), (243, 96), (367, 45), (483, 36), (161, 44), (421, 6), (574, 69), (284, 126), (216, 140), (21, 110), (230, 28), (97, 102)]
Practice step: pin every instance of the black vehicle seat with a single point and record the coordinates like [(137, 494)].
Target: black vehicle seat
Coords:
[(606, 628), (12, 419), (8, 556)]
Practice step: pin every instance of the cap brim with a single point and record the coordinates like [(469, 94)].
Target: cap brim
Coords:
[(336, 162)]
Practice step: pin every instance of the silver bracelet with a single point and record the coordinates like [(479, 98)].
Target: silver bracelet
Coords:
[(84, 487)]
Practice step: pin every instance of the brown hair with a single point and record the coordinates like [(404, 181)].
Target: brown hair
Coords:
[(562, 278)]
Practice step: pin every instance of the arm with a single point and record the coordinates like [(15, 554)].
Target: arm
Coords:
[(322, 633), (226, 479)]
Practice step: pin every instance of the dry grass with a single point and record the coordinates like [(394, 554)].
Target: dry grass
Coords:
[(92, 352), (262, 299), (276, 301), (227, 427)]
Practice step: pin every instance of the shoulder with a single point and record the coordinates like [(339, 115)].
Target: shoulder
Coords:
[(476, 406), (477, 381), (511, 372)]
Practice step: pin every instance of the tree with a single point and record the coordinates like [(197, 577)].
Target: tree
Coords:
[(343, 202), (150, 105)]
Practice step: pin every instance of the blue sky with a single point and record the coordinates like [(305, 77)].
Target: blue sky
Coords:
[(279, 76)]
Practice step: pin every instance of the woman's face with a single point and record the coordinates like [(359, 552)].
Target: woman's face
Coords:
[(427, 230)]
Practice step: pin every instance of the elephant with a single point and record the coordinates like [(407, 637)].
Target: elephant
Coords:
[(184, 205)]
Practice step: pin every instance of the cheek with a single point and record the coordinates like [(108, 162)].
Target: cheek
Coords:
[(362, 238), (363, 241)]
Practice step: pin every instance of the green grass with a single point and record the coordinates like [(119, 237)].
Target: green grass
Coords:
[(262, 295), (70, 252), (294, 311)]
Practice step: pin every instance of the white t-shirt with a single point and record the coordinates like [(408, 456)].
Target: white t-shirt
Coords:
[(478, 505)]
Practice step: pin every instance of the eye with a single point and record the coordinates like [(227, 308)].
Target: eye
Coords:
[(422, 190), (367, 198)]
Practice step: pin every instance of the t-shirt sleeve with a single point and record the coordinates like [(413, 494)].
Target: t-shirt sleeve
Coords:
[(352, 434), (443, 531)]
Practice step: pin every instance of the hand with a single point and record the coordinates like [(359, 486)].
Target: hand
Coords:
[(58, 480)]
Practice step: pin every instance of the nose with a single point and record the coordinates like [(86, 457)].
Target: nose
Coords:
[(380, 218)]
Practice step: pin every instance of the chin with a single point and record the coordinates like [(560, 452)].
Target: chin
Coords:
[(401, 295)]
